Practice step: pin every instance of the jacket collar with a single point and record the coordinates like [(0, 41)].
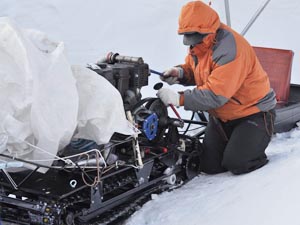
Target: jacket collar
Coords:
[(204, 46)]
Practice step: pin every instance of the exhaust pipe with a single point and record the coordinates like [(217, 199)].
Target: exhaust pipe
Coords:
[(112, 58)]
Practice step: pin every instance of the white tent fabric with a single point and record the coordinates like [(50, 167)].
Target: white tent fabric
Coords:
[(101, 111), (39, 99), (42, 102)]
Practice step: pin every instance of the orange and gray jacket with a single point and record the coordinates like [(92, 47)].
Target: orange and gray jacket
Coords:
[(230, 82)]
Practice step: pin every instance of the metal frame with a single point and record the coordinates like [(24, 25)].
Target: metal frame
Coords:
[(252, 20), (254, 17), (40, 199)]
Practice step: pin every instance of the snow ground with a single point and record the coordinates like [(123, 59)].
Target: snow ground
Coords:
[(268, 196), (92, 28)]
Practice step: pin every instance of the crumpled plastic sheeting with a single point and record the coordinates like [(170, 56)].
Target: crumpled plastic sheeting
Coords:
[(101, 111), (41, 101)]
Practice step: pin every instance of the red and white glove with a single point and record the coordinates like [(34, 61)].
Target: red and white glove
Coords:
[(168, 96), (172, 75)]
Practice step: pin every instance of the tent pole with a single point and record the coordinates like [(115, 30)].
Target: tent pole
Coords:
[(254, 17), (227, 11)]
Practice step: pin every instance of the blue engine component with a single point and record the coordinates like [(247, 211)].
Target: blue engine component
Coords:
[(150, 126), (83, 145)]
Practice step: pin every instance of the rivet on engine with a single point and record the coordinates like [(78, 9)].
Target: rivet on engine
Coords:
[(48, 210)]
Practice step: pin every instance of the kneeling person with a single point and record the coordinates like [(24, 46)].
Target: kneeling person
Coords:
[(230, 84)]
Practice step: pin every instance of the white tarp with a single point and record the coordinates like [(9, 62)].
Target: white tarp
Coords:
[(101, 111), (43, 104)]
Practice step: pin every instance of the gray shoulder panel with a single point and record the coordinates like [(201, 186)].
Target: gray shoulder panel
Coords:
[(224, 51), (198, 100)]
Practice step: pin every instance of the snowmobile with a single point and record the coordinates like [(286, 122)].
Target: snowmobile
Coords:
[(97, 184), (101, 184)]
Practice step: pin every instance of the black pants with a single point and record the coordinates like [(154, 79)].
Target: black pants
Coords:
[(238, 145)]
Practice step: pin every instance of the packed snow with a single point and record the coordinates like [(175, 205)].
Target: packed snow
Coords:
[(267, 196), (148, 29)]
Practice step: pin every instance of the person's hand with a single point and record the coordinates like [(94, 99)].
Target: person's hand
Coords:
[(168, 96), (172, 75)]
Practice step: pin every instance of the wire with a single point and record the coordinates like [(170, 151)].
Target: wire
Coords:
[(187, 128), (71, 164), (194, 129), (84, 153), (45, 151), (79, 154), (109, 168), (133, 166), (97, 177), (64, 159)]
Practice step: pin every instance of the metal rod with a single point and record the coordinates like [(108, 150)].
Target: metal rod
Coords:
[(175, 111), (254, 17), (156, 72), (135, 142), (10, 179), (28, 176), (227, 11), (195, 122)]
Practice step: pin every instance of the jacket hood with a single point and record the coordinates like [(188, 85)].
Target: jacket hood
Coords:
[(196, 16)]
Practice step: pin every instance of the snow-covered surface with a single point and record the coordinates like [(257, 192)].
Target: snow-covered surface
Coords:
[(268, 196), (92, 28)]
